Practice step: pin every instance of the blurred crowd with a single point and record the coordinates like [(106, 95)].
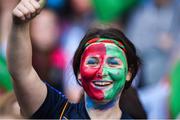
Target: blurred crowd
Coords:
[(152, 25)]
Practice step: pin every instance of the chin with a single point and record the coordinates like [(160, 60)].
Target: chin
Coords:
[(102, 100), (105, 101)]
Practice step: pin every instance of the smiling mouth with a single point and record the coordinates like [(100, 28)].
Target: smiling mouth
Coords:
[(102, 83)]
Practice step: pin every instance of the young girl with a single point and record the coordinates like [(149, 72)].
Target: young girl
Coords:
[(104, 64)]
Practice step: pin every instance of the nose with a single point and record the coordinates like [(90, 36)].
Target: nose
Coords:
[(101, 72)]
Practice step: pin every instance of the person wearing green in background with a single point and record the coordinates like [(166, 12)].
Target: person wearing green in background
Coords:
[(5, 79), (111, 10), (175, 88)]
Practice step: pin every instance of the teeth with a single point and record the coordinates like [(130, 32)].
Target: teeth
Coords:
[(102, 83)]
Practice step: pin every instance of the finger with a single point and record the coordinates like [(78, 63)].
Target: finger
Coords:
[(35, 4), (24, 10), (29, 6), (18, 14)]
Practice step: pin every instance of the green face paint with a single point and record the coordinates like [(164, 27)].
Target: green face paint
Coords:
[(115, 72), (103, 70)]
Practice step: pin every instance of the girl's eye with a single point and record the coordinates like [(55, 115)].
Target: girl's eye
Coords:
[(113, 62), (92, 61)]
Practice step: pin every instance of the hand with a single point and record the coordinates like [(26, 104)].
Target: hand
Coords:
[(26, 10)]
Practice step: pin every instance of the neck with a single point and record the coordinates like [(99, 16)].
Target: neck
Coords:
[(103, 110)]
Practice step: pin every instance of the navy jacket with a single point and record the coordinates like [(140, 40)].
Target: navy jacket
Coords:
[(56, 106)]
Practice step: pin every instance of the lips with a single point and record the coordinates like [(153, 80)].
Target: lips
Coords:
[(102, 83)]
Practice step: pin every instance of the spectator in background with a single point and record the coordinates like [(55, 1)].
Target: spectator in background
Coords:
[(150, 29), (5, 79), (56, 5), (6, 7), (113, 11), (47, 53), (154, 30), (174, 84), (9, 107), (174, 104)]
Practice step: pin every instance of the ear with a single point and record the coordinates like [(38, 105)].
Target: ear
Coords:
[(79, 79), (128, 76)]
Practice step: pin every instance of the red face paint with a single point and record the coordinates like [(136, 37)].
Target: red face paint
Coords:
[(90, 74)]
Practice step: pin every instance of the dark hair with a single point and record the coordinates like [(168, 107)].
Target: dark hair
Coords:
[(130, 103), (111, 33)]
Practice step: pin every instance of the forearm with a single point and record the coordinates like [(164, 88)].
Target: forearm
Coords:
[(19, 50)]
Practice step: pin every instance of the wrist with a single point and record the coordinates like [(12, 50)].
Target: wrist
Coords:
[(18, 22), (21, 28)]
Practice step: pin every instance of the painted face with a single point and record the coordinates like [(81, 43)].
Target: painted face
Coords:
[(103, 70)]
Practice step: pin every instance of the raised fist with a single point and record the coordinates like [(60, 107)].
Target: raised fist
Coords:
[(27, 9)]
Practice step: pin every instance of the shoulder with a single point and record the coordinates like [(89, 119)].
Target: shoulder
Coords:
[(52, 105), (56, 106)]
